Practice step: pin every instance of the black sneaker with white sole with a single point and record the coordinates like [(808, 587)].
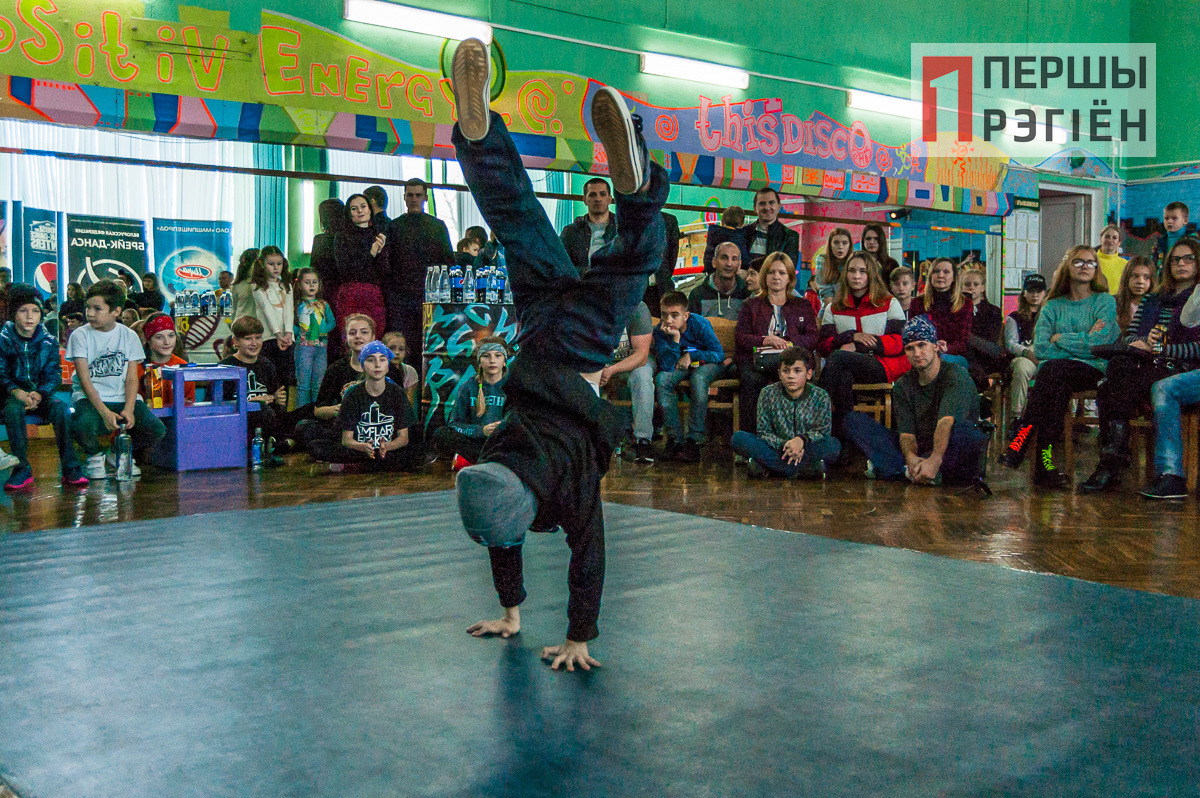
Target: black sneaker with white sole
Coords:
[(1168, 486), (471, 74), (619, 132), (644, 452)]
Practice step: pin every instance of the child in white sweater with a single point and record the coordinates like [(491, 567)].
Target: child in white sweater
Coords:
[(276, 309)]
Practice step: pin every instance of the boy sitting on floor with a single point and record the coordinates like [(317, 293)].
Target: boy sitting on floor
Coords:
[(263, 388), (374, 417), (795, 424), (30, 371), (105, 387), (685, 348)]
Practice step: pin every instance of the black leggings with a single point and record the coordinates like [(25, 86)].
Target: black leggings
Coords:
[(1126, 386), (449, 442), (842, 370), (750, 385), (1051, 393)]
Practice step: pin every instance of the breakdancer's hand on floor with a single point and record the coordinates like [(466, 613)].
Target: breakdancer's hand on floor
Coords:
[(507, 626), (570, 654)]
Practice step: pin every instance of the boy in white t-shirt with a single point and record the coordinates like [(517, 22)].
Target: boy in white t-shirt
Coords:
[(105, 383)]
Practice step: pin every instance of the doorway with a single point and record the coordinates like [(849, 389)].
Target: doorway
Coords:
[(1065, 222)]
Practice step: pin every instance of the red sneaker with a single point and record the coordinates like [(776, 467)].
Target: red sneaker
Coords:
[(460, 463)]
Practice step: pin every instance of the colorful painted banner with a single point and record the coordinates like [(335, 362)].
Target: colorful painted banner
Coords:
[(294, 82), (191, 254), (452, 332), (103, 247), (39, 243)]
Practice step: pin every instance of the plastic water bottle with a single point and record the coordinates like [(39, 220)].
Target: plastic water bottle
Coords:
[(124, 452), (456, 283), (491, 295), (227, 304), (256, 450), (444, 284), (430, 287), (468, 290)]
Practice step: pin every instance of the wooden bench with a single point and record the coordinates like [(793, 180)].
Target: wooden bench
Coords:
[(724, 329), (875, 399)]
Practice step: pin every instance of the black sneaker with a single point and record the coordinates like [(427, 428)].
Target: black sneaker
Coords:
[(756, 471), (1014, 453), (618, 132), (689, 452), (671, 450), (1045, 473), (1168, 486), (471, 75), (643, 452)]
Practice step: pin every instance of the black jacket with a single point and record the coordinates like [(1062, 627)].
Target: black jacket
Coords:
[(718, 235), (577, 239), (415, 241), (780, 238)]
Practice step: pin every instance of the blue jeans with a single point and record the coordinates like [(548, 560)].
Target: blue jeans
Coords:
[(310, 370), (641, 395), (698, 379), (52, 410), (573, 320), (960, 465), (1168, 397), (826, 450)]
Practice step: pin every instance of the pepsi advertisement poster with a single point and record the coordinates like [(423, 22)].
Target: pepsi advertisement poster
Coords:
[(38, 239), (191, 254), (102, 247)]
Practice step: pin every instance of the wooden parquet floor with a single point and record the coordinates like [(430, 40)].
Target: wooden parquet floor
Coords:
[(1117, 539)]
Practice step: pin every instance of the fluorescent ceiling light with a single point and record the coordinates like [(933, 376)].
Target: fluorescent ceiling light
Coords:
[(417, 20), (883, 104), (697, 71)]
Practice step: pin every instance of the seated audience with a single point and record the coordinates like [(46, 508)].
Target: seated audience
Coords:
[(74, 303), (412, 381), (1169, 396), (1136, 281), (795, 435), (903, 286), (374, 417), (685, 348), (150, 297), (860, 335), (874, 242), (30, 372), (722, 294), (985, 355), (105, 387), (768, 324), (728, 230), (632, 361), (838, 247), (1079, 314), (264, 390), (943, 302), (766, 234), (1112, 265), (1018, 341), (937, 439), (1159, 346), (164, 347), (477, 408)]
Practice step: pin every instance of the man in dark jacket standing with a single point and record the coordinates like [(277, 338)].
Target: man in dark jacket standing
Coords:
[(588, 233), (767, 234), (416, 241)]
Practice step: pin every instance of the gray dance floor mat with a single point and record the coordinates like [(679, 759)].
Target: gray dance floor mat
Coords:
[(321, 651)]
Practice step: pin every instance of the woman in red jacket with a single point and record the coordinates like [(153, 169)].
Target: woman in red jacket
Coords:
[(773, 319), (860, 334), (951, 313)]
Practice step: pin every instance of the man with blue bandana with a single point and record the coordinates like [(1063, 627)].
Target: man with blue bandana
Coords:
[(937, 439), (543, 465)]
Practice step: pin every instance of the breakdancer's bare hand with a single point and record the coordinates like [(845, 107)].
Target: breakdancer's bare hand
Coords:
[(570, 654), (507, 626)]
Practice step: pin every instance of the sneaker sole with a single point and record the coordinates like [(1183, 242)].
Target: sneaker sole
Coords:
[(614, 127), (1172, 497), (76, 483), (23, 486), (471, 75)]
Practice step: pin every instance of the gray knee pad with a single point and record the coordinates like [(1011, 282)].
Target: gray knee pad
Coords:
[(496, 506)]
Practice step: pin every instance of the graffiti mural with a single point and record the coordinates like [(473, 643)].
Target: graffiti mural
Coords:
[(452, 333)]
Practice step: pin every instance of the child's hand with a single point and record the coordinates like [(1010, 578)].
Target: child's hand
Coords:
[(111, 420), (281, 396), (488, 429), (684, 362), (793, 451), (32, 400), (127, 415)]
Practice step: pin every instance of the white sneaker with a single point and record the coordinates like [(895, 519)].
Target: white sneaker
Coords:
[(111, 462), (471, 76), (7, 461), (94, 469)]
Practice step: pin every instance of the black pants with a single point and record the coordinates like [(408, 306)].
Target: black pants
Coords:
[(404, 316), (751, 383), (842, 370), (1125, 389), (573, 321), (283, 360), (1051, 393), (449, 442), (331, 450)]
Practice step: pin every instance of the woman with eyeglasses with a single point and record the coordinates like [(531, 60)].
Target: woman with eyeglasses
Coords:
[(1160, 346), (1079, 314)]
